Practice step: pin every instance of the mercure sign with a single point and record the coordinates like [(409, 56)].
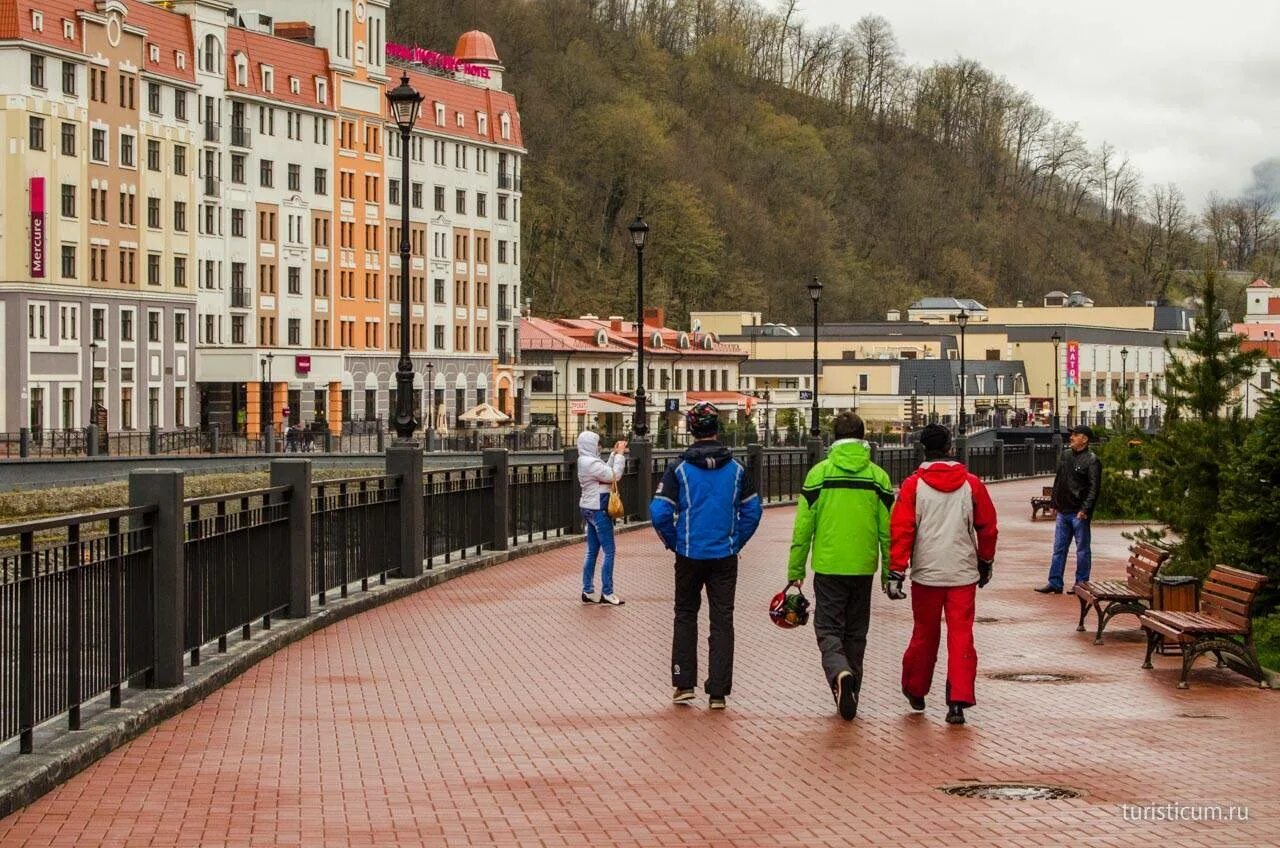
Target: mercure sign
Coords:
[(434, 60)]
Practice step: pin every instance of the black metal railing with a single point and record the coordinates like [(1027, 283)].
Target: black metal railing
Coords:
[(212, 186), (504, 312), (212, 131), (504, 181), (241, 136), (240, 297), (458, 505), (354, 533), (543, 500), (237, 565), (783, 474), (75, 615)]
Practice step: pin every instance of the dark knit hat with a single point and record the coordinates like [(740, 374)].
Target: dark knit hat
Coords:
[(1084, 430), (935, 438)]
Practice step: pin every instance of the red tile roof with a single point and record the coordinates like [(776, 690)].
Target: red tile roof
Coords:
[(625, 335), (723, 398), (15, 22), (286, 59), (475, 46), (169, 31), (542, 334), (467, 99), (1259, 284)]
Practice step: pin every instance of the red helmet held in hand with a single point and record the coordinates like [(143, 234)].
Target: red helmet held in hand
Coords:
[(787, 610)]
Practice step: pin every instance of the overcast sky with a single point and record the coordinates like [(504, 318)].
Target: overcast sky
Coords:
[(1190, 90)]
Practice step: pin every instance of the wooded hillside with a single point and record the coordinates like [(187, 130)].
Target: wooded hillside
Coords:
[(763, 152)]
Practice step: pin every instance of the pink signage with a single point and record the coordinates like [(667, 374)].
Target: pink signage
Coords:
[(432, 59), (302, 364), (1073, 363), (36, 186)]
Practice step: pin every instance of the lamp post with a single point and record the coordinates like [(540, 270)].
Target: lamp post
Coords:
[(1124, 387), (268, 400), (93, 361), (640, 420), (815, 293), (962, 319), (1056, 338), (431, 403), (405, 102)]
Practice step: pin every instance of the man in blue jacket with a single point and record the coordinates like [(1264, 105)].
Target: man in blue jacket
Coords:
[(706, 509)]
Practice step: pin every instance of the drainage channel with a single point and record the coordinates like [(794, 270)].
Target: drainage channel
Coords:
[(1011, 791), (1034, 677)]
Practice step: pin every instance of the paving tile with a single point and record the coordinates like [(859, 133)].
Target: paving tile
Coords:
[(497, 710)]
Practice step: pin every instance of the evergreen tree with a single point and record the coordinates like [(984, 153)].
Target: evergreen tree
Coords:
[(1201, 431), (1244, 528)]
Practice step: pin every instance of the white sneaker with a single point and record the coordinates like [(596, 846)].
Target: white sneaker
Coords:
[(589, 598), (612, 600)]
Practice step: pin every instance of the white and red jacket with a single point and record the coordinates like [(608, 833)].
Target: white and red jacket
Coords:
[(941, 525)]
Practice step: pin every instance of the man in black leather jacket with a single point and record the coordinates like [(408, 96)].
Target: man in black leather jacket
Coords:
[(1075, 494)]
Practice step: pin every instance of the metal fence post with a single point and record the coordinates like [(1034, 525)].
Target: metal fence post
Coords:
[(405, 461), (1031, 455), (296, 473), (269, 439), (24, 442), (815, 451), (500, 461), (153, 440), (575, 514), (382, 440), (162, 488), (213, 438), (755, 466), (643, 453), (999, 451), (328, 441), (91, 440)]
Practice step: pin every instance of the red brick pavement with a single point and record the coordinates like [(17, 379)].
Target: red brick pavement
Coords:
[(497, 710)]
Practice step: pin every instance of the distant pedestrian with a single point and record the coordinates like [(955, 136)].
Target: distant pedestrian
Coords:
[(706, 509), (1075, 494), (596, 477), (944, 531), (843, 515)]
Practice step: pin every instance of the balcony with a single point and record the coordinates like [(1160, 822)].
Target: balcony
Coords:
[(504, 312), (504, 181), (212, 131), (504, 357), (212, 186), (239, 297), (240, 136)]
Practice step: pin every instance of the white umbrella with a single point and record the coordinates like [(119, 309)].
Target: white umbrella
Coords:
[(442, 420), (484, 414)]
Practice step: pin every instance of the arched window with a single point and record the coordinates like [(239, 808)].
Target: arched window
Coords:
[(212, 56)]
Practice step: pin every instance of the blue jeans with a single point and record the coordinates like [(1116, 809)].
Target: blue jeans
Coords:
[(1067, 528), (599, 527)]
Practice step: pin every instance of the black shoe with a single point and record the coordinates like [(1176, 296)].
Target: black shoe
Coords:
[(683, 696), (1046, 589), (955, 714), (917, 703), (589, 598), (717, 702), (846, 696)]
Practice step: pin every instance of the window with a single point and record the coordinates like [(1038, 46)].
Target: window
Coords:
[(295, 331), (153, 269), (393, 191), (180, 160), (460, 202), (295, 177), (180, 101), (68, 261), (502, 207), (179, 216), (126, 151), (265, 173), (237, 168), (153, 98), (126, 325), (35, 137), (237, 223), (98, 145), (502, 252), (127, 87), (37, 71), (179, 406), (322, 181), (68, 200), (153, 325), (153, 155), (153, 213), (438, 337), (237, 329), (481, 204), (295, 280), (862, 383), (68, 78)]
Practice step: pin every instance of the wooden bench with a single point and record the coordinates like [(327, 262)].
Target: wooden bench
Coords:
[(1222, 624), (1109, 598), (1042, 506)]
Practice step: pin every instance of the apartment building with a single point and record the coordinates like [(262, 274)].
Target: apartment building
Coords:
[(97, 220)]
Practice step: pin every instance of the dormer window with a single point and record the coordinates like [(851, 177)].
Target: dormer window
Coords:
[(211, 56), (655, 340), (180, 60), (155, 52), (461, 119), (506, 126), (707, 342), (268, 78), (439, 114), (69, 30), (242, 71), (682, 341), (482, 122), (602, 338), (37, 22), (322, 91), (295, 85)]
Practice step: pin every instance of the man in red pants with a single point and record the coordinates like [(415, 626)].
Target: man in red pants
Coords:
[(943, 528)]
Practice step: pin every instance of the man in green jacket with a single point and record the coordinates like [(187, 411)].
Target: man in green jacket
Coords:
[(843, 515)]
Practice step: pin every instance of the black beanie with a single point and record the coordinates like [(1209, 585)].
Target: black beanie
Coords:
[(935, 438)]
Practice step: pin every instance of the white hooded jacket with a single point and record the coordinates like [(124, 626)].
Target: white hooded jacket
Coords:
[(596, 476)]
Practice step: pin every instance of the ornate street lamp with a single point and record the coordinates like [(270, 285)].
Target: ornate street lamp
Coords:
[(1056, 338), (405, 102), (962, 319), (640, 420), (431, 403), (1124, 387), (815, 294)]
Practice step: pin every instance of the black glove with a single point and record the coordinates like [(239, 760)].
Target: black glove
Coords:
[(984, 572), (893, 586)]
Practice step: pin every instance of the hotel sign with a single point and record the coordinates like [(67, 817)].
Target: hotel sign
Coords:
[(1073, 363), (36, 187), (435, 61)]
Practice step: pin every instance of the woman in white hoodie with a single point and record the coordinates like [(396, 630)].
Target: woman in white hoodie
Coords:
[(596, 477)]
